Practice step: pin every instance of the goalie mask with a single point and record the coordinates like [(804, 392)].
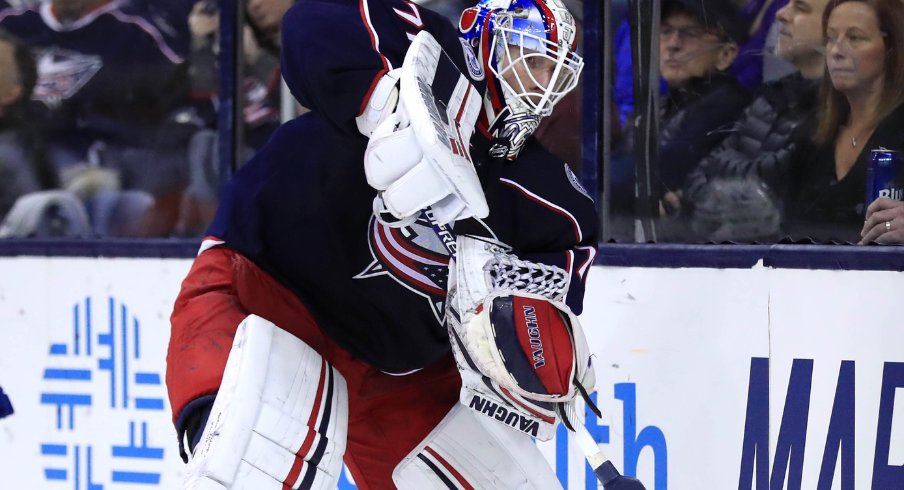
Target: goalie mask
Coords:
[(528, 50)]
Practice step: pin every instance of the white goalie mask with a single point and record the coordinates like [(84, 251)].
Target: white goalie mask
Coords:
[(528, 48)]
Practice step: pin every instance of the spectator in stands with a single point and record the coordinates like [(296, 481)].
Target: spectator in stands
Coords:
[(697, 45), (265, 18), (204, 25), (863, 104), (725, 194), (262, 86), (880, 212), (748, 67), (23, 167), (260, 49), (109, 87), (170, 17), (261, 105)]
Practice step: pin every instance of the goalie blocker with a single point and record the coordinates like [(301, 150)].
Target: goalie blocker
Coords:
[(418, 156)]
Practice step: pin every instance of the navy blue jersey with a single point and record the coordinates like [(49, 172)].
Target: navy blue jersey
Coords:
[(170, 17), (302, 209), (108, 73)]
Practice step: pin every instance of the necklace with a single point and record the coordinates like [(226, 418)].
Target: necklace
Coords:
[(854, 135)]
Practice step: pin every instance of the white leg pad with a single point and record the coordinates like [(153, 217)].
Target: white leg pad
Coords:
[(280, 415), (465, 450)]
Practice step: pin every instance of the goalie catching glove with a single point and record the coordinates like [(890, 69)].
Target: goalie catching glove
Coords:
[(418, 156), (514, 339)]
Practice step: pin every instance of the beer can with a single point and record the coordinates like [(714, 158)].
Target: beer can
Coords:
[(883, 176)]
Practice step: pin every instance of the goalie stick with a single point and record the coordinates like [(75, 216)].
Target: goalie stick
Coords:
[(602, 467), (416, 91)]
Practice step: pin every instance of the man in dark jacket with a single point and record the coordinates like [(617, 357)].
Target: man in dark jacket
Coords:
[(731, 193), (697, 45)]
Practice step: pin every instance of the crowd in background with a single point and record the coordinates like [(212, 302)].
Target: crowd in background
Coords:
[(754, 151), (768, 113)]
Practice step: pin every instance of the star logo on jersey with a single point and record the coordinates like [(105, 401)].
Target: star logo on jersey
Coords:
[(61, 74), (414, 256)]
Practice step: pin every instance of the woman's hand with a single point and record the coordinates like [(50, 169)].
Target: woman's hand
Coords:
[(884, 222)]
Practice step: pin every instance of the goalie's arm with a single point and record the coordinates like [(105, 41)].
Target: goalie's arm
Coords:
[(334, 52), (576, 262), (328, 58), (546, 218)]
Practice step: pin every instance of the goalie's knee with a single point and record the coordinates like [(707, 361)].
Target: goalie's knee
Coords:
[(279, 418), (465, 451)]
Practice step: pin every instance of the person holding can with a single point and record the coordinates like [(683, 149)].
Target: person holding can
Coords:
[(884, 222), (863, 109)]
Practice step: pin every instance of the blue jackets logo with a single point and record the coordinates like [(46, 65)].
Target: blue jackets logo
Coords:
[(414, 257), (61, 74)]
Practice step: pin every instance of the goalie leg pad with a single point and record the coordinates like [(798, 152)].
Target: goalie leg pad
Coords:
[(279, 419), (466, 451)]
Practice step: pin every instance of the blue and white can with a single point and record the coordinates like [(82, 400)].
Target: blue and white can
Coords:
[(883, 176)]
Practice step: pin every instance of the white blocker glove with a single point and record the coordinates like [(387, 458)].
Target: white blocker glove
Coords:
[(418, 156), (514, 339)]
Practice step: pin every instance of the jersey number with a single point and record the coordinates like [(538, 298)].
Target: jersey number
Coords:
[(413, 17)]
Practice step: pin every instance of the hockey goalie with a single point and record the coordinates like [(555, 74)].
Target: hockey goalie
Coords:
[(393, 281)]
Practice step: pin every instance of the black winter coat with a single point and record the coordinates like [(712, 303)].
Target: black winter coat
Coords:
[(694, 119), (764, 141)]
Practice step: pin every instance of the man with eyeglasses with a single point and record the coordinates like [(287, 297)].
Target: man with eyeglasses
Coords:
[(698, 44)]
